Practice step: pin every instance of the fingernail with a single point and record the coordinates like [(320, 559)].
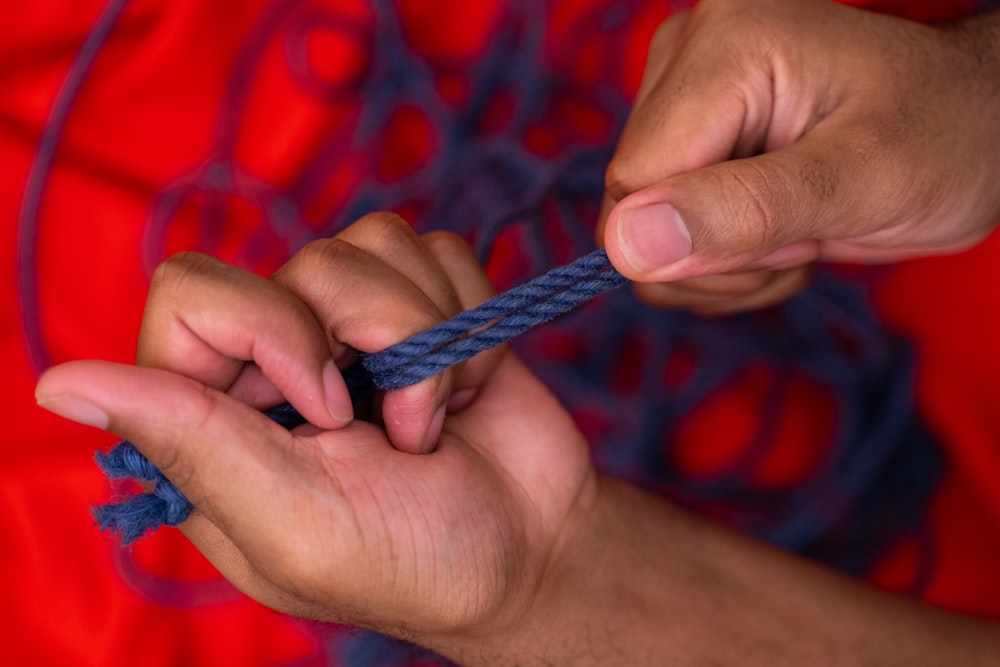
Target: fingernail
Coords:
[(338, 399), (433, 430), (75, 409), (653, 236)]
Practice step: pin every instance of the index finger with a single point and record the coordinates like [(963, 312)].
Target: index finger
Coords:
[(205, 319), (368, 305)]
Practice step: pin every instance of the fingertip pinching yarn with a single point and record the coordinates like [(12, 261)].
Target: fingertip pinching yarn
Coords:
[(421, 356)]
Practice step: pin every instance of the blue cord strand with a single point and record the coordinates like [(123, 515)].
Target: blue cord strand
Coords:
[(493, 322), (417, 358)]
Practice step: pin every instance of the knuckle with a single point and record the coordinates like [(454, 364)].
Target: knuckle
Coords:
[(384, 225), (322, 255), (620, 178), (316, 273), (446, 243), (451, 252), (180, 269), (752, 197)]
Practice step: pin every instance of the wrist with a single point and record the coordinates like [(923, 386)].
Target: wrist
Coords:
[(636, 581), (573, 610)]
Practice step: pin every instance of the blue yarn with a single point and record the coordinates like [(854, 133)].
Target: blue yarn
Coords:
[(127, 462), (881, 463), (493, 322), (135, 516), (417, 358)]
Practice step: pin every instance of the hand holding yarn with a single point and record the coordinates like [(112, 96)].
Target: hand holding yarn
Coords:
[(331, 520), (502, 546), (371, 286), (767, 135)]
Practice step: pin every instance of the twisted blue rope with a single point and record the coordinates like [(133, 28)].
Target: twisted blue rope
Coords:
[(415, 359), (493, 322), (165, 505)]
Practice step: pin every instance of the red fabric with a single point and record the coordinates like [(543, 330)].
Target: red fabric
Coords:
[(959, 367), (147, 115)]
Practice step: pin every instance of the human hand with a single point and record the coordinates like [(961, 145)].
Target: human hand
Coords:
[(330, 521), (767, 135), (267, 341), (501, 546)]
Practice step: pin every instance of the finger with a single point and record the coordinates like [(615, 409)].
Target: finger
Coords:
[(633, 166), (369, 305), (692, 111), (736, 284), (205, 319), (695, 107), (205, 442), (664, 48), (519, 406), (726, 294), (240, 470), (392, 240), (795, 254), (473, 287), (733, 214), (607, 203), (253, 388)]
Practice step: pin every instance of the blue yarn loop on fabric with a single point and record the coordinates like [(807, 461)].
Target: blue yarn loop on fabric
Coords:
[(417, 358)]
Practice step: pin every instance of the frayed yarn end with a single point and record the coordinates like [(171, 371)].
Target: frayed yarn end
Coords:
[(142, 513)]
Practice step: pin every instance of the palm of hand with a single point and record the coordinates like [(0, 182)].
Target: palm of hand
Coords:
[(374, 535)]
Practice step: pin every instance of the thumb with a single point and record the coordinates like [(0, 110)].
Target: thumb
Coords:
[(206, 443), (768, 211)]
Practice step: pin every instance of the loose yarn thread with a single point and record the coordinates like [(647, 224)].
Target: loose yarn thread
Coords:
[(417, 358)]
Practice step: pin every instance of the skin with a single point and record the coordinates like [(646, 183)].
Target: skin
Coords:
[(782, 132), (382, 283), (501, 544), (413, 545)]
